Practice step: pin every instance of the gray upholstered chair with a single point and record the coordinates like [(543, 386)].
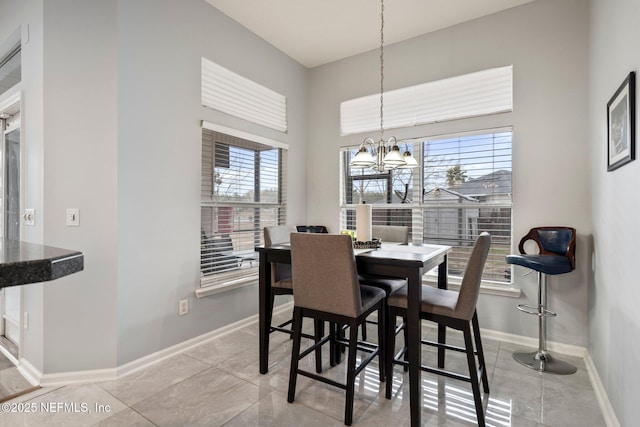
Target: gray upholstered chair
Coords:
[(452, 309), (282, 284), (326, 288), (391, 233), (388, 234)]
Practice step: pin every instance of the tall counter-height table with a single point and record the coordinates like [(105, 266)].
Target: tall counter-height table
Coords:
[(404, 261), (23, 262)]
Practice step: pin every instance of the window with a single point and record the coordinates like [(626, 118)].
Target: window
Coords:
[(390, 193), (462, 188), (10, 64), (242, 191)]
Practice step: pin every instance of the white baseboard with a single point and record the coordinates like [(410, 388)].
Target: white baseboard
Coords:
[(29, 372), (111, 374), (601, 394), (568, 349)]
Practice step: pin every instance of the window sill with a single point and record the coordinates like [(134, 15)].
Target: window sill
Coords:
[(487, 288), (208, 285)]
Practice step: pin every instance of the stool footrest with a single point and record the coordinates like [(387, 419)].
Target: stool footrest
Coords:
[(535, 310)]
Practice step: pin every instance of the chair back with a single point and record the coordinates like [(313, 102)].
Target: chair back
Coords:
[(311, 229), (553, 241), (325, 275), (391, 233), (273, 236), (470, 287), (278, 234)]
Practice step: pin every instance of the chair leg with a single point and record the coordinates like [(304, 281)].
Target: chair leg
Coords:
[(390, 345), (473, 374), (405, 334), (382, 343), (364, 331), (333, 346), (480, 351), (351, 373), (318, 333), (295, 353)]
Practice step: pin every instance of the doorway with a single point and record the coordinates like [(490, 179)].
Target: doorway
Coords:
[(10, 202)]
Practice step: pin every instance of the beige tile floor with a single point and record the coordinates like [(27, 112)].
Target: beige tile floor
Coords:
[(11, 381), (218, 384)]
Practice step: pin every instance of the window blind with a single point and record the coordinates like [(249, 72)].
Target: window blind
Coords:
[(467, 190), (463, 188), (243, 190), (238, 96), (390, 194), (469, 95)]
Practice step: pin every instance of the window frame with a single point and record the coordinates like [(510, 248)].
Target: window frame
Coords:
[(418, 206), (223, 281)]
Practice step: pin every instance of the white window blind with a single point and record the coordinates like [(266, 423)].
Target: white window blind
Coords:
[(467, 190), (390, 194), (243, 190), (238, 96), (469, 95), (463, 189)]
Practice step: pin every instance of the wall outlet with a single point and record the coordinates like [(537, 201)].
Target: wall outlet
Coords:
[(29, 217), (25, 323), (183, 307)]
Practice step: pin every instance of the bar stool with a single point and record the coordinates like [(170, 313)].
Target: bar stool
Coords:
[(282, 284), (388, 234), (557, 255), (452, 309), (326, 288)]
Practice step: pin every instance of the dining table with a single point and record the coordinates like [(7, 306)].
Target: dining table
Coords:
[(410, 261)]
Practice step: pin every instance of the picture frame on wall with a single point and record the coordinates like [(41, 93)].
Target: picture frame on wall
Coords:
[(621, 125)]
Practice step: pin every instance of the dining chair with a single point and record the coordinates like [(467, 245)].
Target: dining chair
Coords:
[(556, 255), (454, 309), (326, 288), (312, 229), (282, 283), (388, 234), (391, 233)]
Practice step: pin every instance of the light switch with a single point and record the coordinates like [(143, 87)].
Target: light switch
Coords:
[(73, 217)]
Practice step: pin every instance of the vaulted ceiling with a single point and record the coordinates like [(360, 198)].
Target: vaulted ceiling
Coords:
[(316, 32)]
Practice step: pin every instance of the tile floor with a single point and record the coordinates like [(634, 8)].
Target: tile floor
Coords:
[(218, 384), (11, 381)]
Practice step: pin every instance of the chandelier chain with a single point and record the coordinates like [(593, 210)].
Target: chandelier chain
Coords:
[(381, 69)]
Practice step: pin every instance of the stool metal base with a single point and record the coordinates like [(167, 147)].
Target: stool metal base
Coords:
[(542, 361)]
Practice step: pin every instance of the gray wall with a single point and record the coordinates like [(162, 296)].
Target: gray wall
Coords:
[(546, 41), (159, 115), (112, 113), (614, 318), (26, 17)]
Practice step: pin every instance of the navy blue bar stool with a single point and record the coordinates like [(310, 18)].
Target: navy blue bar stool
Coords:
[(557, 255)]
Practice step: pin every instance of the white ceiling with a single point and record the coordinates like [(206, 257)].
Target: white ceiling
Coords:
[(315, 32)]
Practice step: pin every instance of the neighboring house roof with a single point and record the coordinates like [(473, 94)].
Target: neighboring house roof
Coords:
[(437, 194), (498, 182)]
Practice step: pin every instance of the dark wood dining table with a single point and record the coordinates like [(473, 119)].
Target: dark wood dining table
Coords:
[(403, 261)]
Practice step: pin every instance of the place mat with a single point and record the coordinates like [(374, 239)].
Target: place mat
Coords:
[(373, 244)]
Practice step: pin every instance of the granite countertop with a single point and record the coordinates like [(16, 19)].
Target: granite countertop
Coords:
[(23, 262)]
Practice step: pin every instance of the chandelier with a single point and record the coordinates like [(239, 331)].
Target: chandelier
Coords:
[(385, 155)]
